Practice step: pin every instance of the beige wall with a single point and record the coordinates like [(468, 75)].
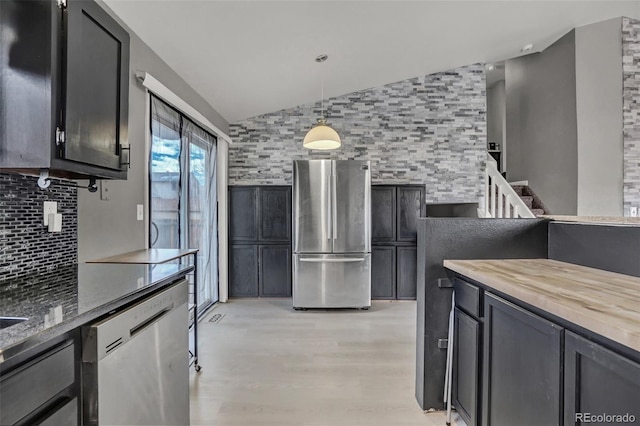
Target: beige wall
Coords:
[(110, 227)]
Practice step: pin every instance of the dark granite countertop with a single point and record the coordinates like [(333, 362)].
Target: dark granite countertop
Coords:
[(71, 296)]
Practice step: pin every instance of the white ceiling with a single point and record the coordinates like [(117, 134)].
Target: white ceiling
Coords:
[(248, 58)]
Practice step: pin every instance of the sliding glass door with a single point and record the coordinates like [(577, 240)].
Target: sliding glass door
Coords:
[(182, 183)]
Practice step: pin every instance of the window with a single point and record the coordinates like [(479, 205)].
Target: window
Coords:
[(182, 182)]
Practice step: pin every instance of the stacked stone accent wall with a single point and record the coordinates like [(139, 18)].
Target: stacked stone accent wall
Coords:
[(631, 111), (427, 130)]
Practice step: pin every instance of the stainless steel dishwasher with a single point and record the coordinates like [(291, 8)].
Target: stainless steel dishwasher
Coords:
[(135, 364)]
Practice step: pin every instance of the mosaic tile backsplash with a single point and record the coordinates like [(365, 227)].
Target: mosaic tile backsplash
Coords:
[(427, 130), (631, 111), (25, 244)]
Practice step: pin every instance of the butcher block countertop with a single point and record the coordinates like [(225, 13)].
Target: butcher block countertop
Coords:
[(603, 302)]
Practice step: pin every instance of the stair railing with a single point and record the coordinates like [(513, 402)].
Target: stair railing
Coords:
[(500, 199)]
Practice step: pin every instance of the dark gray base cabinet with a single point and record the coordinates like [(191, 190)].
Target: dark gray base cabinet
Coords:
[(243, 271), (44, 387), (407, 272), (274, 271), (522, 365), (260, 270), (393, 272), (598, 381), (383, 272), (466, 366), (394, 213), (260, 241)]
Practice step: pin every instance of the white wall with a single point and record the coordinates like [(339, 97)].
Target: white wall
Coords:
[(496, 117), (599, 115), (110, 227)]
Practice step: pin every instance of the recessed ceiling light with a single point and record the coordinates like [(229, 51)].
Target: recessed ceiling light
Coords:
[(526, 48)]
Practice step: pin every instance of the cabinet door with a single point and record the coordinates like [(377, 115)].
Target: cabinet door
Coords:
[(407, 272), (383, 213), (97, 86), (243, 271), (521, 367), (383, 272), (275, 271), (466, 355), (275, 213), (243, 216), (410, 201), (598, 381)]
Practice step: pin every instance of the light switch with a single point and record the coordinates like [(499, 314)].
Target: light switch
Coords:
[(50, 207), (140, 212)]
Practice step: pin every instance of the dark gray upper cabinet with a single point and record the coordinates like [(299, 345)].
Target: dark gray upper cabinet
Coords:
[(275, 213), (598, 381), (521, 374), (243, 217), (260, 214), (97, 86), (383, 213), (65, 90), (411, 206)]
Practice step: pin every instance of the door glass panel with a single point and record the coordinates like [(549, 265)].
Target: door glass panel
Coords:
[(165, 187), (183, 194)]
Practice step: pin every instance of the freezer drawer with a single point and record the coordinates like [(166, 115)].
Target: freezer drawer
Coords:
[(332, 280)]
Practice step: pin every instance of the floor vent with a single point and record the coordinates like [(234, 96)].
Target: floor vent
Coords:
[(216, 318)]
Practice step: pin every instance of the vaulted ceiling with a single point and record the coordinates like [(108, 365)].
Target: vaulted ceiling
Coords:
[(248, 58)]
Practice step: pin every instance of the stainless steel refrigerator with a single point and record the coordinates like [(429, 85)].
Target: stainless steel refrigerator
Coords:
[(331, 234)]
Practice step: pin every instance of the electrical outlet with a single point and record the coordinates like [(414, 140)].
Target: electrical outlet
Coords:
[(633, 211), (140, 212), (49, 207)]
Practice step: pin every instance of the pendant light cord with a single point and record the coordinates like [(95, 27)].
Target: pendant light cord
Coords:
[(320, 59), (322, 90)]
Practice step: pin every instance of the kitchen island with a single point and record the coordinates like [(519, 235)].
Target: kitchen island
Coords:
[(42, 347), (538, 341)]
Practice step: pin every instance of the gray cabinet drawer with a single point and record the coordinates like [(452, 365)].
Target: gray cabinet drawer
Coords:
[(468, 297), (67, 415), (28, 387)]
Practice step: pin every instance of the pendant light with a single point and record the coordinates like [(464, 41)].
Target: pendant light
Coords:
[(321, 136)]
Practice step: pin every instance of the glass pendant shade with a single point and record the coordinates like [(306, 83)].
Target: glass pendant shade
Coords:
[(322, 137)]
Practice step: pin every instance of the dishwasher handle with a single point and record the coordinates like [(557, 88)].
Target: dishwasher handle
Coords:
[(146, 323)]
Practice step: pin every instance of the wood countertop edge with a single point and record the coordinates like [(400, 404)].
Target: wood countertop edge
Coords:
[(602, 323)]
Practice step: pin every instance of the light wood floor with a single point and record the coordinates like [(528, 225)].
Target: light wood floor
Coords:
[(266, 364)]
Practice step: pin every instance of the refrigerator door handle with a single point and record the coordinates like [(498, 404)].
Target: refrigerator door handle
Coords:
[(334, 203), (334, 260), (329, 210)]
